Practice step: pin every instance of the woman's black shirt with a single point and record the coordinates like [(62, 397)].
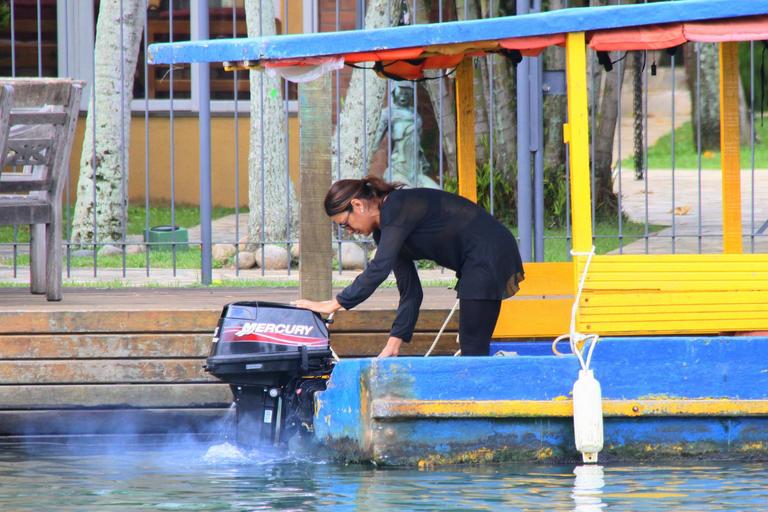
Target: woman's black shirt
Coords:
[(448, 229)]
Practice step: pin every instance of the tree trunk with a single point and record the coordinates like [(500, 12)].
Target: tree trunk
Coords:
[(443, 100), (707, 109), (500, 74), (607, 117), (480, 87), (360, 115), (709, 75), (271, 193), (555, 107), (505, 117), (446, 121), (100, 214), (637, 109)]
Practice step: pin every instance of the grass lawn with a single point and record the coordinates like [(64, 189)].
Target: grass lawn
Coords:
[(556, 246), (185, 216), (686, 157)]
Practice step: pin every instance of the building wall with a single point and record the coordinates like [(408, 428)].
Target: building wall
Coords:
[(186, 162)]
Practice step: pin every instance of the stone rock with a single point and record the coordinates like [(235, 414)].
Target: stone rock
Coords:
[(110, 250), (134, 249), (275, 257), (82, 253), (222, 252), (352, 256), (246, 245), (245, 260)]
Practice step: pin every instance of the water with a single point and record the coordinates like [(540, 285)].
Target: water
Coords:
[(93, 475)]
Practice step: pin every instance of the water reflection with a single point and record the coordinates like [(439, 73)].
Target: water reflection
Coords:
[(92, 475), (588, 488)]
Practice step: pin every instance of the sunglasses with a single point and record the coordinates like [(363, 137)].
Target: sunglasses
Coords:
[(345, 225)]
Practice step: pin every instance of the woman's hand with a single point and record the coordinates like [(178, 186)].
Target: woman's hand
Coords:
[(325, 307), (392, 348)]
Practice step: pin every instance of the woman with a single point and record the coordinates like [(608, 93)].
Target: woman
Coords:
[(421, 223)]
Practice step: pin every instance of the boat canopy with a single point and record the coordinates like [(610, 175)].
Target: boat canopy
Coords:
[(405, 52)]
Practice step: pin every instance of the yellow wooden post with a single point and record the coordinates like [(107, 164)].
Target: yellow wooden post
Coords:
[(576, 133), (729, 147), (465, 130)]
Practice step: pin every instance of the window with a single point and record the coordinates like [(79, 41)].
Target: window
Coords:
[(166, 20), (28, 48)]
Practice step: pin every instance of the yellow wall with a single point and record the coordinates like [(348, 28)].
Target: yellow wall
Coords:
[(187, 183)]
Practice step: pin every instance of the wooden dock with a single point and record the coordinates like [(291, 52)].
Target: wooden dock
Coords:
[(130, 360)]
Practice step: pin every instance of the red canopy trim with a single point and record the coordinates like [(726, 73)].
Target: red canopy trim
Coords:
[(402, 69), (534, 45), (753, 28), (410, 63), (443, 61), (384, 55), (656, 37)]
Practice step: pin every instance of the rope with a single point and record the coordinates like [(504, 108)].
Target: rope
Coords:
[(329, 321), (440, 333), (576, 338)]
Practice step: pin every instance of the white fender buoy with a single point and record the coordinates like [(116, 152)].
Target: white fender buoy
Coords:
[(588, 415), (587, 396)]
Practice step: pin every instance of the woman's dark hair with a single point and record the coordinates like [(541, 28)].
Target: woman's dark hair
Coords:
[(371, 188)]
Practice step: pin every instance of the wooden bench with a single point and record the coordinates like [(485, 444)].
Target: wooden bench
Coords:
[(37, 125)]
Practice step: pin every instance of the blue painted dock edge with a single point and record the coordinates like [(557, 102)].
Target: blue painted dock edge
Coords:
[(648, 368)]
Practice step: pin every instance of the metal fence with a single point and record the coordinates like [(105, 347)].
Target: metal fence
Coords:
[(665, 206)]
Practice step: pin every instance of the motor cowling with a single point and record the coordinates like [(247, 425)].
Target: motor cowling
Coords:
[(275, 358)]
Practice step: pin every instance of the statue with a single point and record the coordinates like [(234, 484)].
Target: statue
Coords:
[(407, 160)]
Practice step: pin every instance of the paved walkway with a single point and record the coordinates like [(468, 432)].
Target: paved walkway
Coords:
[(694, 220), (688, 204), (659, 101), (178, 299)]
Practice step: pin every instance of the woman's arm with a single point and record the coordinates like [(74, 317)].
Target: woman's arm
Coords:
[(325, 307), (411, 295), (388, 247)]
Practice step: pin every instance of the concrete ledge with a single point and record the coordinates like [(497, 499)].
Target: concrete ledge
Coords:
[(401, 409), (661, 397)]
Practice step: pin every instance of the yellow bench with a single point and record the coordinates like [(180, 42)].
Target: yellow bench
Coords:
[(674, 294)]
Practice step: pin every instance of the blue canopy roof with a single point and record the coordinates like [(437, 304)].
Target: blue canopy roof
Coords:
[(353, 41)]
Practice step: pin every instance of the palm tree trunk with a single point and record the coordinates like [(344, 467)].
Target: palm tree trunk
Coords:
[(607, 117), (442, 98), (707, 108), (637, 109), (555, 106), (709, 88), (270, 191), (480, 87), (360, 113), (102, 187), (504, 116)]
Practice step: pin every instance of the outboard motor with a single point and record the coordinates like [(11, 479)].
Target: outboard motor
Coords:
[(275, 358)]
